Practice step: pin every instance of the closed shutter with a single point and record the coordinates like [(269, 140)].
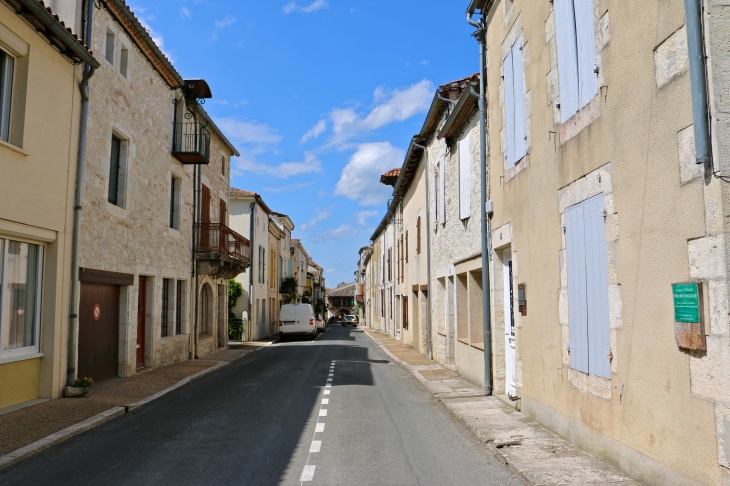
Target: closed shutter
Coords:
[(577, 312), (289, 265), (520, 145), (599, 341), (509, 109), (435, 199), (442, 191), (464, 174), (567, 57), (586, 42)]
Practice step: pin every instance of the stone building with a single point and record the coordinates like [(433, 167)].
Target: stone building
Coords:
[(300, 260), (41, 73), (340, 301), (155, 248)]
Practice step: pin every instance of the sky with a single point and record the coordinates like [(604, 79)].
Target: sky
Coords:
[(319, 96)]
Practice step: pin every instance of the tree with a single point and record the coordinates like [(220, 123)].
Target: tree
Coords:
[(289, 287), (235, 290)]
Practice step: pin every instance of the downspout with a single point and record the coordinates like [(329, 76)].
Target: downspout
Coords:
[(250, 270), (393, 273), (196, 218), (73, 297), (481, 37), (698, 79), (192, 254), (428, 245)]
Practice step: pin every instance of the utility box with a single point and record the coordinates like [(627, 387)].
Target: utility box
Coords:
[(689, 329)]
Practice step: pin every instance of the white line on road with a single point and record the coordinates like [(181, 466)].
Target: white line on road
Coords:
[(319, 427), (308, 473), (326, 392), (323, 412), (316, 446), (325, 401), (328, 385)]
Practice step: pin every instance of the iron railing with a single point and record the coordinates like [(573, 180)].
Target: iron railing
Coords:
[(191, 143), (219, 238)]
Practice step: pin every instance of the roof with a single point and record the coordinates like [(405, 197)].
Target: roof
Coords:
[(48, 24), (233, 192), (390, 177), (343, 291), (294, 242), (468, 103)]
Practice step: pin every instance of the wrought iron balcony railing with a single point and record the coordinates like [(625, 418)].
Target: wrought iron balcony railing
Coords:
[(219, 238), (191, 143)]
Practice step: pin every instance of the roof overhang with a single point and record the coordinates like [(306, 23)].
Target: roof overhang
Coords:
[(480, 5), (463, 111), (198, 88)]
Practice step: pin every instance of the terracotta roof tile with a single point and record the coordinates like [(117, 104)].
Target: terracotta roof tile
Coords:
[(240, 193)]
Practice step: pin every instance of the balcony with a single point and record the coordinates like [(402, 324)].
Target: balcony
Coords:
[(360, 299), (191, 143), (221, 252)]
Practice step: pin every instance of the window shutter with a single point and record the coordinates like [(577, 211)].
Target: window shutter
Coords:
[(435, 201), (520, 145), (442, 191), (586, 42), (599, 340), (464, 173), (509, 108), (565, 36), (577, 312)]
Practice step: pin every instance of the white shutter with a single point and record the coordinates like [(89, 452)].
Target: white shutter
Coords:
[(520, 146), (567, 58), (576, 266), (442, 191), (434, 200), (464, 175), (586, 41), (509, 109)]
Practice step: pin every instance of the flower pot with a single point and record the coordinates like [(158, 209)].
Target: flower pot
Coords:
[(75, 391)]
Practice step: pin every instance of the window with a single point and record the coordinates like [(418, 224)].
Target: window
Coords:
[(418, 235), (262, 264), (174, 202), (585, 244), (116, 186), (390, 266), (223, 165), (123, 60), (441, 191), (514, 104), (109, 55), (179, 291), (222, 212), (464, 174), (165, 316), (7, 63), (402, 261), (382, 303), (205, 309), (576, 42), (21, 266), (406, 246)]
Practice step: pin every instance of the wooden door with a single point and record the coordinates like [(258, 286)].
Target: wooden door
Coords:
[(141, 317), (205, 217), (222, 218), (98, 332)]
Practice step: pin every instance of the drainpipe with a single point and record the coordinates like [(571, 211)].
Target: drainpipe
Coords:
[(196, 218), (250, 269), (481, 37), (194, 272), (73, 319), (428, 245), (698, 79)]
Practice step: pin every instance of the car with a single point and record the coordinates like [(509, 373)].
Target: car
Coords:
[(297, 320), (349, 320), (320, 323)]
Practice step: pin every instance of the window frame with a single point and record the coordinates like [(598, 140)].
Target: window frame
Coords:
[(109, 47), (179, 293), (165, 309), (6, 96)]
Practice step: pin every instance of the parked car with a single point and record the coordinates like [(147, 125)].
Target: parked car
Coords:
[(320, 323), (297, 320), (349, 320)]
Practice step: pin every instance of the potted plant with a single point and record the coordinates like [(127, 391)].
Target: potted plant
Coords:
[(79, 388)]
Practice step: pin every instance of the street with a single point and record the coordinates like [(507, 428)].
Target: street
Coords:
[(270, 418)]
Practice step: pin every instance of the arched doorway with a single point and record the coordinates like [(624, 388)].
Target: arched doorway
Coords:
[(206, 309)]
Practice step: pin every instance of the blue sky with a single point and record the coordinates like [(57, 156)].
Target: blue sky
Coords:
[(319, 96)]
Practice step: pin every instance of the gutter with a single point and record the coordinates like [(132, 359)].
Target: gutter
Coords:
[(698, 80), (89, 69), (250, 268), (428, 247)]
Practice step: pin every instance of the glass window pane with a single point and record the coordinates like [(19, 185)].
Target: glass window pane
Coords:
[(6, 85), (21, 293)]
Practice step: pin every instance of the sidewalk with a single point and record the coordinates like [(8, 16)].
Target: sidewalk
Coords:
[(31, 429), (536, 454)]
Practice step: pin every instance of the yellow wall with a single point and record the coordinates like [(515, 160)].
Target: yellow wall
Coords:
[(19, 381)]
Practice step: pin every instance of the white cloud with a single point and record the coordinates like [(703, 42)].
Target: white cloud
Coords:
[(293, 6), (317, 218), (314, 132), (334, 234), (363, 216), (184, 12), (360, 179), (221, 24), (288, 187), (283, 170), (330, 270), (392, 106), (248, 131)]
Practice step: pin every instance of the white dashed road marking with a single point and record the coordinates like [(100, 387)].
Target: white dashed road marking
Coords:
[(325, 401), (326, 392), (322, 412), (316, 446), (308, 473), (320, 427)]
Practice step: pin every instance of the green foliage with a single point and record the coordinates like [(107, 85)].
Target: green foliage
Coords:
[(235, 290), (319, 307), (289, 287), (235, 329), (84, 383)]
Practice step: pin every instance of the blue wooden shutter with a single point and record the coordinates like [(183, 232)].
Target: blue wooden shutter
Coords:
[(464, 175), (577, 312), (565, 36), (509, 109), (520, 144), (599, 341), (586, 42)]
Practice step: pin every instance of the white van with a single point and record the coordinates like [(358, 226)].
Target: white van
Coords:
[(297, 320)]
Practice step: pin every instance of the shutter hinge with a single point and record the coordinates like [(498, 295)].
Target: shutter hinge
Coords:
[(609, 355)]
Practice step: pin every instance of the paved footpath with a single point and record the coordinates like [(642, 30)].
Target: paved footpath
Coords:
[(335, 411), (536, 454)]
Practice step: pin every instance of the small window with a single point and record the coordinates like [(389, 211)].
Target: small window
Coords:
[(165, 316), (418, 235), (223, 165), (175, 202), (464, 176), (179, 294), (117, 172), (123, 60), (7, 63), (110, 47)]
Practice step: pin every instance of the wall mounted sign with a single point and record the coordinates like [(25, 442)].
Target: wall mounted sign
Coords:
[(97, 312), (686, 302)]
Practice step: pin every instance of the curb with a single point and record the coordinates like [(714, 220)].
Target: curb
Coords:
[(41, 444)]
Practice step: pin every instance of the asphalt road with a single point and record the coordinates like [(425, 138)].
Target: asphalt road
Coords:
[(270, 418)]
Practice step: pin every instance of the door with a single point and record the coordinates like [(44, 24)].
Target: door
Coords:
[(510, 355), (141, 318), (98, 332), (205, 232)]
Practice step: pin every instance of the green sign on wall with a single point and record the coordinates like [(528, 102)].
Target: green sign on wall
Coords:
[(686, 302)]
